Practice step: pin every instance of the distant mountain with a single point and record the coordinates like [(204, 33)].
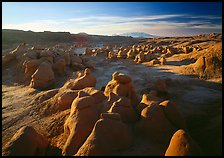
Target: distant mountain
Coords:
[(137, 35)]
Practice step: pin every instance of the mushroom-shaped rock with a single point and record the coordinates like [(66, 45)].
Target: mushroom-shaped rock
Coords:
[(147, 99), (200, 65), (112, 55), (140, 58), (31, 66), (154, 62), (122, 85), (122, 54), (59, 66), (87, 80), (109, 134), (162, 61), (26, 142), (181, 144), (124, 108), (43, 76), (172, 114), (80, 122), (97, 94), (131, 54), (154, 124), (65, 99), (121, 78)]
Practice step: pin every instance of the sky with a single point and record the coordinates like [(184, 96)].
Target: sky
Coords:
[(108, 18)]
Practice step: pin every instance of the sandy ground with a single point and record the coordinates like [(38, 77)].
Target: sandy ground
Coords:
[(200, 102)]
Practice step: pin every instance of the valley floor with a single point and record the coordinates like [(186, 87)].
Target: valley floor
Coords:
[(199, 101)]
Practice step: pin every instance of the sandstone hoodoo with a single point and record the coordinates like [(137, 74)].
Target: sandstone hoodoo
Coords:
[(124, 108), (26, 142), (87, 80), (80, 122), (43, 77), (122, 85), (105, 138), (150, 116), (182, 144), (92, 95)]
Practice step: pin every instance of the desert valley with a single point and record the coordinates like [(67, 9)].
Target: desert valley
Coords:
[(83, 95)]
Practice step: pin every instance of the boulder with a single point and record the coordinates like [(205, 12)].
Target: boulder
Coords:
[(65, 99), (43, 77), (80, 122), (154, 62), (181, 144), (172, 114), (130, 54), (97, 94), (155, 127), (121, 85), (200, 66), (60, 66), (122, 54), (124, 108), (148, 99), (112, 55), (87, 80), (163, 61), (109, 134), (31, 66), (140, 58), (26, 142)]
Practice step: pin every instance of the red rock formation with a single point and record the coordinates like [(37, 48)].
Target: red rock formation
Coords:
[(26, 142), (80, 122), (59, 66), (87, 80), (121, 85), (182, 144), (109, 134), (43, 76), (124, 108)]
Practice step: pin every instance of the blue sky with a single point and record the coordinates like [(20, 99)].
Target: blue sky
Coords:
[(107, 18)]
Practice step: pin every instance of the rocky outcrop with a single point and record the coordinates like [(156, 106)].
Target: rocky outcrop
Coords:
[(80, 122), (124, 108), (181, 144), (105, 137), (26, 142), (43, 76), (87, 80), (122, 85)]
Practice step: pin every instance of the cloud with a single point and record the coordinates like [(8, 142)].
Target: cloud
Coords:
[(163, 25)]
